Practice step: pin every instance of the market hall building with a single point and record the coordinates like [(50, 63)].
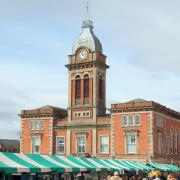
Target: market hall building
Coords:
[(136, 130)]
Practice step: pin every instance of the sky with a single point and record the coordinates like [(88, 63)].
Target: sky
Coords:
[(141, 40)]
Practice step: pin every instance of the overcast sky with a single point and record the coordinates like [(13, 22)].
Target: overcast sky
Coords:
[(140, 38)]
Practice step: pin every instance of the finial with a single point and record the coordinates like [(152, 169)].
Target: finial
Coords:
[(87, 9), (87, 14), (87, 22)]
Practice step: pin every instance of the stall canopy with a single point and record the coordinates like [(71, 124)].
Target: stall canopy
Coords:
[(164, 167), (35, 163)]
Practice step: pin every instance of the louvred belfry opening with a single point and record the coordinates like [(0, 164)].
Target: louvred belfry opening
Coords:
[(100, 87), (78, 90), (86, 89)]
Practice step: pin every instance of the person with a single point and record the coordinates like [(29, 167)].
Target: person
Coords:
[(171, 177), (116, 176)]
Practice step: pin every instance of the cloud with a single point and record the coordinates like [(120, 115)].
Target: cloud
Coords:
[(140, 38)]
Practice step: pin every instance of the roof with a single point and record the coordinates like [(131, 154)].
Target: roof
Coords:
[(52, 107), (137, 100), (87, 38), (141, 104), (46, 110), (10, 143)]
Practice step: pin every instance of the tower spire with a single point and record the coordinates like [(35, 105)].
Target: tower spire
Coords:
[(87, 10), (87, 13)]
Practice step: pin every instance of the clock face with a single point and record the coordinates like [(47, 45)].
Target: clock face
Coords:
[(82, 54)]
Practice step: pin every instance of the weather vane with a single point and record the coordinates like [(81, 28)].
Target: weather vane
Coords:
[(87, 10)]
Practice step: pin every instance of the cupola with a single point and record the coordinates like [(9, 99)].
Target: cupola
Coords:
[(87, 39)]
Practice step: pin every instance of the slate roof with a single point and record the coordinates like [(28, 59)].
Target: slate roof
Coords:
[(10, 143)]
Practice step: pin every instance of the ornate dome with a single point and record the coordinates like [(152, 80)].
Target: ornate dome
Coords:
[(87, 38)]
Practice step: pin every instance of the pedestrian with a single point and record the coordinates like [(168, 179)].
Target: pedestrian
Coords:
[(116, 176), (171, 177)]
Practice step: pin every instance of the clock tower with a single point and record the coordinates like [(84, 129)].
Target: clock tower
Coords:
[(87, 77)]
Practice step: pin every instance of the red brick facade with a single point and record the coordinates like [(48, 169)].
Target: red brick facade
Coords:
[(139, 130)]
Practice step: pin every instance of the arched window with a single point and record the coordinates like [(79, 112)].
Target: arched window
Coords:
[(78, 89), (125, 121), (131, 121), (137, 120), (86, 89), (100, 87)]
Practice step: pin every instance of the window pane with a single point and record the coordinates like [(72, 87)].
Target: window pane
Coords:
[(137, 120), (159, 142), (131, 143), (125, 121), (131, 122), (35, 144), (60, 144), (104, 144), (81, 144), (41, 125), (31, 125)]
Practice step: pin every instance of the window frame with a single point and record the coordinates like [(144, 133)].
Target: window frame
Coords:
[(108, 147), (57, 143), (126, 142), (132, 118), (32, 144), (123, 121), (77, 145), (135, 120), (37, 121), (160, 142)]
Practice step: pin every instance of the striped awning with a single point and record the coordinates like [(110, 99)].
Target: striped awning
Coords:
[(33, 163), (36, 163), (133, 165), (164, 167)]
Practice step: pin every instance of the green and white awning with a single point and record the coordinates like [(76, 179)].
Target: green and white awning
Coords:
[(164, 167), (35, 163), (32, 163)]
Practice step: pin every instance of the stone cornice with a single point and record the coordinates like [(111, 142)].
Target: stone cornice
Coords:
[(75, 126), (85, 65), (143, 106)]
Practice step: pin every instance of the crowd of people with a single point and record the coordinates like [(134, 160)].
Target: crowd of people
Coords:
[(153, 175)]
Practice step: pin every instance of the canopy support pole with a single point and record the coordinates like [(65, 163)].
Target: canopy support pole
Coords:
[(72, 176), (98, 175)]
